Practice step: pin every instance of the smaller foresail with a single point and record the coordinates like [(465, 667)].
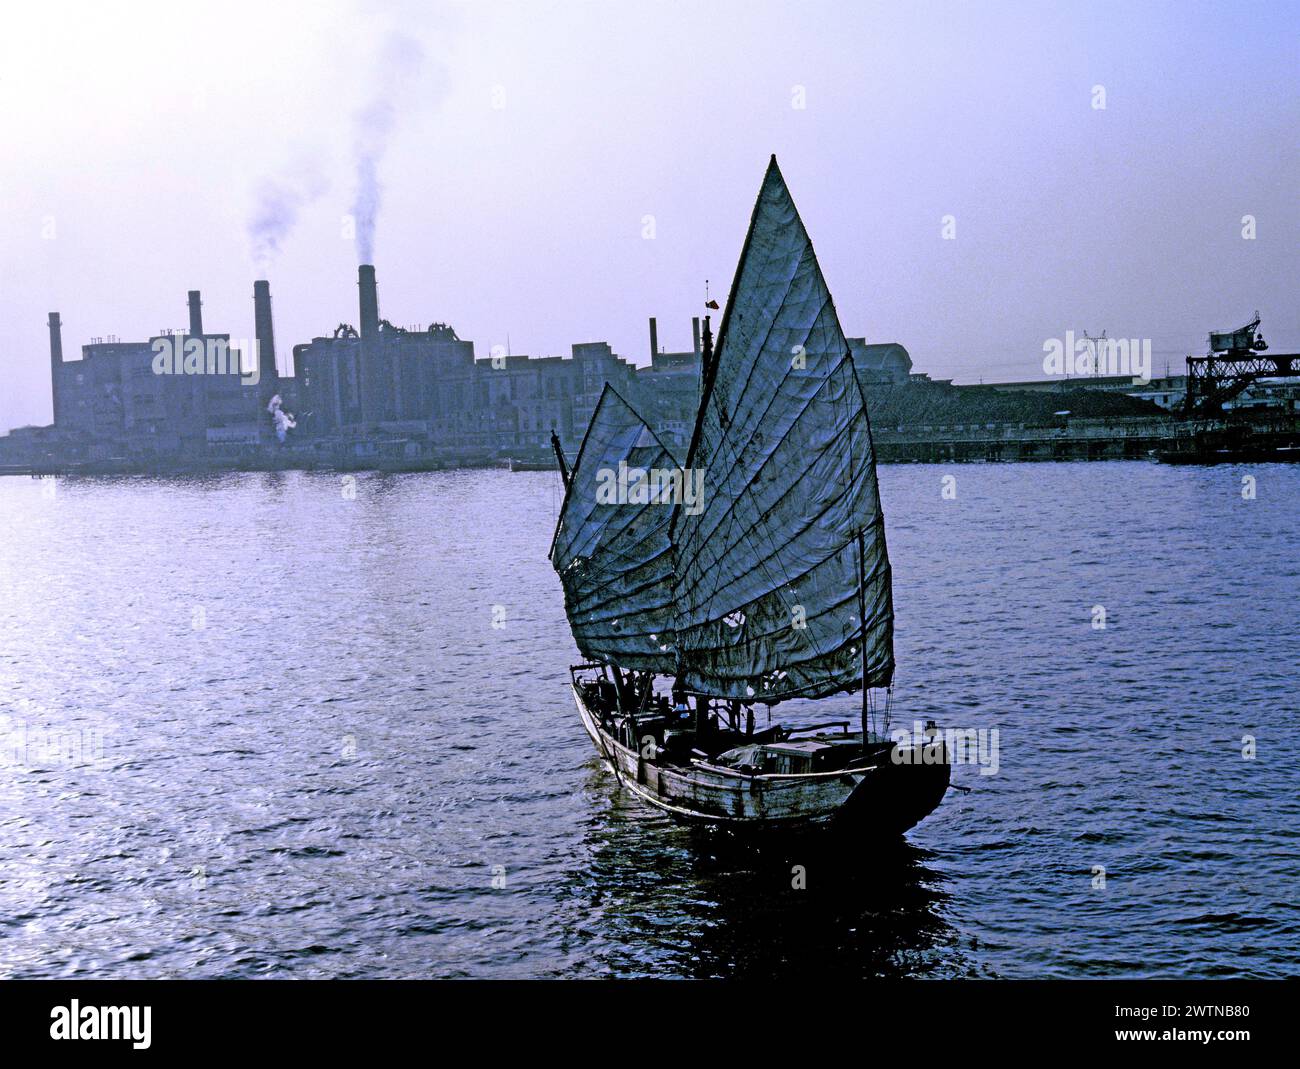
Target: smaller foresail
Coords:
[(611, 547)]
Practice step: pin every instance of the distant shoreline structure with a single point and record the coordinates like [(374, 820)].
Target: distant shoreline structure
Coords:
[(391, 398), (1144, 439)]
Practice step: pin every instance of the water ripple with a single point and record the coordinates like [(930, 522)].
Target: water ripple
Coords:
[(254, 728)]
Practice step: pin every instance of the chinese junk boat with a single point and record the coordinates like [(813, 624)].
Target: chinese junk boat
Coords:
[(754, 573)]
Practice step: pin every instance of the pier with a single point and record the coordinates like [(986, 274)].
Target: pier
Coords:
[(1089, 439), (1084, 439)]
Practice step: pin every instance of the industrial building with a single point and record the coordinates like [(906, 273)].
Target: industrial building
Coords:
[(888, 364), (384, 396), (381, 376), (179, 396), (403, 394), (667, 392), (369, 395)]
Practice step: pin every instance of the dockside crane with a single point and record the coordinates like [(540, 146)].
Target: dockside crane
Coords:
[(1236, 358)]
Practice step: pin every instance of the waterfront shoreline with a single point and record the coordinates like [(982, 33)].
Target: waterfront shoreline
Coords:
[(1145, 440)]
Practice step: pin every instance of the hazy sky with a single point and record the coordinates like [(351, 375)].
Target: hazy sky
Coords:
[(519, 148)]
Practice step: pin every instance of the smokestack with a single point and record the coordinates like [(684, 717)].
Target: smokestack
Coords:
[(56, 361), (695, 333), (369, 301), (370, 373), (196, 313), (264, 332), (654, 338)]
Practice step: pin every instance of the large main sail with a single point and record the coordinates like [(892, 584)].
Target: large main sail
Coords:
[(775, 574), (611, 546)]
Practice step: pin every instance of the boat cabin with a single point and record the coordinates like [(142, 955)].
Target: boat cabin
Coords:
[(794, 757)]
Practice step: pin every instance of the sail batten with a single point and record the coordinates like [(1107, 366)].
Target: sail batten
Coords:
[(731, 507)]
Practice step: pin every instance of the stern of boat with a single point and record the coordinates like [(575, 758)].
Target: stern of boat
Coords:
[(905, 788)]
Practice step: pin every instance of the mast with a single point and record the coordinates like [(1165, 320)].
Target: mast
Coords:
[(706, 355), (710, 366), (862, 617), (559, 456)]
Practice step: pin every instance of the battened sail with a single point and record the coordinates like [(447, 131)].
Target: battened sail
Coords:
[(611, 546), (772, 572)]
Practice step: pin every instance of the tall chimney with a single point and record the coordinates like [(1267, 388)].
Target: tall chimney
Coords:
[(369, 301), (56, 361), (264, 332), (695, 333), (196, 313), (654, 338), (371, 373)]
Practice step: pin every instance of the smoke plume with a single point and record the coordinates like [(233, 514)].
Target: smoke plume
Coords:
[(277, 203), (402, 65), (403, 81)]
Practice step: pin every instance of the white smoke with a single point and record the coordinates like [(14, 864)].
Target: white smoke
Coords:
[(277, 203), (401, 63), (403, 81), (284, 422)]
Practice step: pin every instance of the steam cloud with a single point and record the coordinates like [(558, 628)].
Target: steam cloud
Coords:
[(403, 81), (401, 62), (277, 203), (284, 422)]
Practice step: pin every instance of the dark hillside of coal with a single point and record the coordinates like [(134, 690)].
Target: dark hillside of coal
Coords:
[(942, 404)]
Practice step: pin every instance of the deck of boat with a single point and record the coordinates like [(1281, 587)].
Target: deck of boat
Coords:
[(869, 788)]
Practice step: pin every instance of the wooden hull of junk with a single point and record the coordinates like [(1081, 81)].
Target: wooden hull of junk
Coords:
[(882, 798)]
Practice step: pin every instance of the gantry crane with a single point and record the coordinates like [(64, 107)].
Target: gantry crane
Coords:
[(1236, 359)]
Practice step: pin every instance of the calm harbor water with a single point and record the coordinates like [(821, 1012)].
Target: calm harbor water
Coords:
[(259, 725)]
